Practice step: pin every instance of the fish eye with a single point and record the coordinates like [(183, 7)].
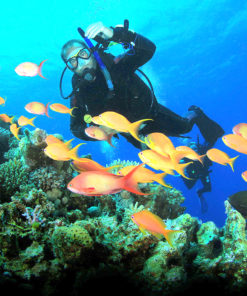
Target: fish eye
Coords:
[(132, 217)]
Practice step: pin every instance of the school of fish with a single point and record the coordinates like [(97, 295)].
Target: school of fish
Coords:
[(93, 179)]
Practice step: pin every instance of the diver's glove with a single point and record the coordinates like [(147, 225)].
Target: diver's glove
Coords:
[(99, 29)]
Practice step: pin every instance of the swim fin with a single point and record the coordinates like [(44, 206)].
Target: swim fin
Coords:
[(209, 129)]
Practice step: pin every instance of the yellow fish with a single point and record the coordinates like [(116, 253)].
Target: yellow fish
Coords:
[(241, 130), (120, 123), (37, 108), (160, 162), (147, 221), (188, 153), (244, 176), (14, 130), (2, 101), (6, 118), (62, 109), (235, 142), (29, 69), (22, 121), (159, 143), (220, 157), (61, 152)]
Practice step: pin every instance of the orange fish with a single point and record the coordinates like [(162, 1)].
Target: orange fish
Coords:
[(61, 108), (6, 118), (244, 176), (235, 142), (97, 183), (62, 152), (98, 133), (188, 153), (29, 69), (87, 164), (50, 139), (14, 130), (120, 123), (241, 130), (144, 175), (159, 143), (37, 108), (220, 157), (160, 162), (2, 101), (147, 221), (22, 121)]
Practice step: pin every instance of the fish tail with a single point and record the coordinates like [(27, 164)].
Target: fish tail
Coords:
[(129, 182), (159, 178), (231, 162), (31, 121), (201, 158), (46, 110), (181, 167), (71, 110), (11, 119), (134, 127), (109, 139), (73, 152), (40, 68), (169, 234)]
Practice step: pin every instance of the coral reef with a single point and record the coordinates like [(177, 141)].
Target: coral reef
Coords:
[(58, 242)]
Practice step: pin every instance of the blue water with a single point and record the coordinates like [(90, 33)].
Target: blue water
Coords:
[(200, 59)]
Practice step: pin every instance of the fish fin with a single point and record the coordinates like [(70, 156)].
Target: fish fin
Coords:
[(31, 121), (159, 178), (181, 167), (71, 110), (73, 152), (11, 119), (109, 140), (201, 158), (39, 69), (130, 184), (133, 129), (143, 231), (231, 162), (158, 235), (67, 143), (46, 110), (113, 167), (75, 168), (169, 234)]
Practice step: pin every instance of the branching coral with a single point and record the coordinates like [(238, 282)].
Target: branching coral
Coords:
[(13, 174)]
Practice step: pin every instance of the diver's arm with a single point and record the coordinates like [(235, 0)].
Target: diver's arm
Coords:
[(142, 51)]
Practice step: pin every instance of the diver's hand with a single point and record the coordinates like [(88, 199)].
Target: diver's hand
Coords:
[(98, 29)]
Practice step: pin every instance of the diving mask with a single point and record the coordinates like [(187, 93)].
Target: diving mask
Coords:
[(72, 62)]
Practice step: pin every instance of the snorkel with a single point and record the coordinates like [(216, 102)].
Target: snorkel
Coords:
[(100, 63)]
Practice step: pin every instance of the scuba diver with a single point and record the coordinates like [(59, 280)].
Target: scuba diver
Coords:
[(104, 82), (196, 171)]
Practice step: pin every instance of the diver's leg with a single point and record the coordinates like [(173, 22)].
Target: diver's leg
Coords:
[(209, 129), (206, 182), (168, 122)]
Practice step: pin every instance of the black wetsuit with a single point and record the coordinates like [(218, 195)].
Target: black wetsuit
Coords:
[(133, 98)]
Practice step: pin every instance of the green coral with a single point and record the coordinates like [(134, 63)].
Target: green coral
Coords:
[(13, 174), (70, 243)]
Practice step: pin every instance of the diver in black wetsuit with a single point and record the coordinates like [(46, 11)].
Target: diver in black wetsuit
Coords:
[(103, 82), (196, 171)]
